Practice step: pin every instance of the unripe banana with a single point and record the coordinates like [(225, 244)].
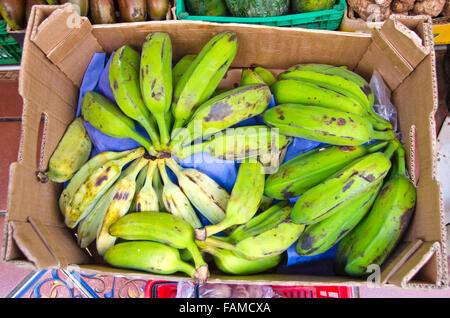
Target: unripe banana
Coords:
[(308, 169), (163, 228), (181, 67), (83, 173), (175, 201), (92, 189), (244, 200), (325, 125), (200, 80), (159, 187), (146, 197), (250, 77), (374, 238), (105, 116), (206, 195), (119, 205), (71, 154), (156, 79), (342, 188), (148, 256), (266, 75), (274, 241), (139, 184), (341, 80), (223, 111), (240, 143), (319, 237), (231, 263)]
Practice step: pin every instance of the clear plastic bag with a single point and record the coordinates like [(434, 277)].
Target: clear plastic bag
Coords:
[(210, 290)]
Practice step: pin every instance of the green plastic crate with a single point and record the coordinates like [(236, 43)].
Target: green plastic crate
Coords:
[(323, 19), (10, 50)]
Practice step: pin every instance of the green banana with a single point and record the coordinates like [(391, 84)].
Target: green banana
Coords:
[(373, 239), (146, 197), (249, 76), (308, 169), (200, 80), (71, 154), (265, 74), (341, 189), (341, 80), (273, 241), (244, 200), (119, 205), (139, 184), (104, 115), (156, 79), (148, 256), (175, 201), (231, 263), (266, 202), (260, 223), (181, 67), (223, 111), (319, 237), (159, 187), (322, 124), (124, 81), (163, 228), (240, 143), (83, 173), (208, 197), (92, 189)]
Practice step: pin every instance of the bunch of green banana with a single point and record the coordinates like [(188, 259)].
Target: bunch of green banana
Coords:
[(208, 197), (71, 154), (202, 77), (244, 200), (148, 256), (156, 79), (257, 75), (308, 169), (175, 201), (119, 205), (373, 239), (146, 198), (181, 67), (321, 236), (95, 185), (221, 112), (163, 228), (105, 116), (124, 81), (331, 126), (328, 86), (232, 263), (340, 190), (240, 143)]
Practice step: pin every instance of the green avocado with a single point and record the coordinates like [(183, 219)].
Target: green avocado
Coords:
[(207, 7)]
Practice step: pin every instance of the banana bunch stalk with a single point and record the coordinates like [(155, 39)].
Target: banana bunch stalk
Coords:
[(119, 205), (208, 197), (374, 238), (175, 201), (164, 228)]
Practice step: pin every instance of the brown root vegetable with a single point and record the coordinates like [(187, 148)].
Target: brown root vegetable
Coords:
[(371, 11), (13, 12), (157, 9), (132, 10), (402, 6), (446, 11), (102, 11), (429, 7)]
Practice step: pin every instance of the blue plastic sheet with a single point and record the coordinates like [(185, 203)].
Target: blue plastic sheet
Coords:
[(222, 171)]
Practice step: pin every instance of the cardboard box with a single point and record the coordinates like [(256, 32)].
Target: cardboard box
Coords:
[(56, 56)]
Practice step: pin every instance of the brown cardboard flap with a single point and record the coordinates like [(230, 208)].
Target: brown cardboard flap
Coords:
[(62, 36), (430, 276)]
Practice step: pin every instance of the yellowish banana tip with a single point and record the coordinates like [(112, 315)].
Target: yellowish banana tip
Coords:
[(200, 234), (201, 274)]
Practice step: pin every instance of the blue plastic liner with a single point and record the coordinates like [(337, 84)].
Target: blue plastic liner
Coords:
[(222, 171)]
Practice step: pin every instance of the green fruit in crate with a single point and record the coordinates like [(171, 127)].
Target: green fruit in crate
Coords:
[(206, 7), (257, 8), (13, 12), (308, 169), (300, 6), (132, 10), (148, 256), (157, 9), (82, 6), (102, 11), (53, 1), (71, 154)]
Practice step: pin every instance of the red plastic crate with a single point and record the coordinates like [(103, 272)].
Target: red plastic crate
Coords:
[(167, 289)]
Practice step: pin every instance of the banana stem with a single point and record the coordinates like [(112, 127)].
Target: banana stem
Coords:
[(178, 123), (401, 161), (163, 173), (187, 268), (216, 228), (378, 122), (383, 135), (196, 256), (393, 146), (174, 166), (189, 150), (152, 133), (144, 142), (376, 146), (163, 131), (149, 176), (214, 242)]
